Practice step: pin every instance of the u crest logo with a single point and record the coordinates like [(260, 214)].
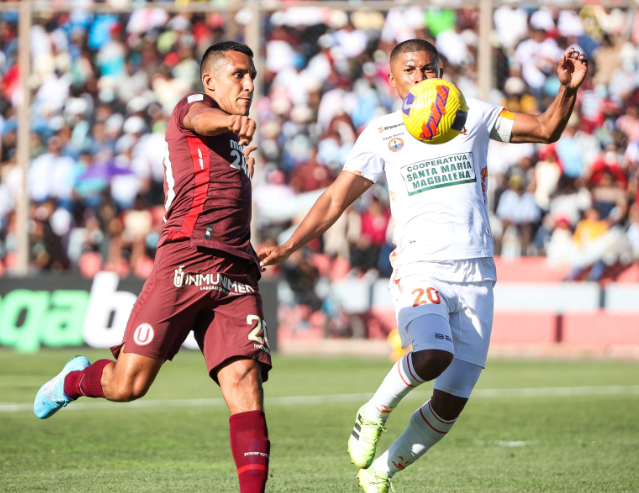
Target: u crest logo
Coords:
[(143, 335)]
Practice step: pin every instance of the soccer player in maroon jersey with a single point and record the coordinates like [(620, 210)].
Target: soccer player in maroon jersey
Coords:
[(205, 276)]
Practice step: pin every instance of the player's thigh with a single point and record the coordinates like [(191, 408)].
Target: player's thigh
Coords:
[(159, 322), (163, 314), (231, 330), (430, 332), (472, 324), (416, 296)]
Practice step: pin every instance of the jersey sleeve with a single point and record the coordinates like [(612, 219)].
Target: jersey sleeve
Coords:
[(498, 120), (183, 107), (491, 114), (363, 159)]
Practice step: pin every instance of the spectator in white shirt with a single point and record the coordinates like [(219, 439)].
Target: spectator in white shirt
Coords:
[(517, 208)]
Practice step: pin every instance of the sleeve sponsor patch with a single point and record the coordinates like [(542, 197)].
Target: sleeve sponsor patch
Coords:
[(446, 171), (194, 98)]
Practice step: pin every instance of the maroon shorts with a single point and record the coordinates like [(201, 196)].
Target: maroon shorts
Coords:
[(207, 291)]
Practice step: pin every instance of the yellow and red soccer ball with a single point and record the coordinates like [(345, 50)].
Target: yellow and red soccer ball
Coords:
[(434, 111)]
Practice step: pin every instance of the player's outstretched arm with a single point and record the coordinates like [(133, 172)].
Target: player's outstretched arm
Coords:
[(328, 208), (549, 126), (204, 120)]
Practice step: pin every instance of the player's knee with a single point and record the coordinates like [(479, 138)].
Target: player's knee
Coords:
[(431, 363)]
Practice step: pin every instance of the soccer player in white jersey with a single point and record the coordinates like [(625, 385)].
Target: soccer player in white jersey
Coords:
[(443, 278)]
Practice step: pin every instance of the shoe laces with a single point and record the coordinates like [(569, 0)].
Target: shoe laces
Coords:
[(384, 482), (374, 428)]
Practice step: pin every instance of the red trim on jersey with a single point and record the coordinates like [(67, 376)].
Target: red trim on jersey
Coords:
[(201, 165)]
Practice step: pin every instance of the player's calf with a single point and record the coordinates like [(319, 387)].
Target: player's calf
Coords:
[(241, 384), (425, 429), (432, 421), (371, 417), (86, 382), (251, 450), (432, 353)]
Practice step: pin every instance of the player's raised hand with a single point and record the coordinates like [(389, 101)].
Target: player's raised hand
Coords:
[(572, 69), (243, 126), (273, 255), (250, 160)]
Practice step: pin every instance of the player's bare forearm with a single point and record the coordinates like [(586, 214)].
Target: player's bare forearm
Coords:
[(322, 216), (328, 208), (204, 120), (548, 127)]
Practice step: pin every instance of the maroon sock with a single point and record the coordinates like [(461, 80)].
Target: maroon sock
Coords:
[(251, 448), (86, 382)]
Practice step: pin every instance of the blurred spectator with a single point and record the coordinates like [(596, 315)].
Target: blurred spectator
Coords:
[(633, 231), (609, 200), (366, 248), (104, 86), (589, 228), (519, 213), (570, 200)]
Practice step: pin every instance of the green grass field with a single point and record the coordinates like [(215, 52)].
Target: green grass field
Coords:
[(504, 441)]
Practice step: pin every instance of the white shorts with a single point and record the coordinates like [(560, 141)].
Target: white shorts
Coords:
[(418, 290)]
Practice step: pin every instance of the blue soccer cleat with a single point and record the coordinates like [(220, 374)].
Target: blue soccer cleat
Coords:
[(51, 397)]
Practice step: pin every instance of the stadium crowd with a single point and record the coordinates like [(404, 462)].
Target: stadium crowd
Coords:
[(104, 87)]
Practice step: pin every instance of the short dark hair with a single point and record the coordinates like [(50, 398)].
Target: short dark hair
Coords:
[(413, 45), (216, 51)]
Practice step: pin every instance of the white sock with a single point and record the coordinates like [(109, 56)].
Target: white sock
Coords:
[(400, 381), (424, 430)]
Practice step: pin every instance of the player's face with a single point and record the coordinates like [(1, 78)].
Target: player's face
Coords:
[(231, 83), (412, 68)]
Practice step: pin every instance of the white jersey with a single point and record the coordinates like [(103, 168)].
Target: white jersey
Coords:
[(438, 192)]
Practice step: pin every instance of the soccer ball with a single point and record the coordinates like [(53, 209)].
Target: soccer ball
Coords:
[(434, 111)]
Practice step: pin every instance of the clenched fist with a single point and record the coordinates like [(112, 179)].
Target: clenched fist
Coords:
[(243, 126)]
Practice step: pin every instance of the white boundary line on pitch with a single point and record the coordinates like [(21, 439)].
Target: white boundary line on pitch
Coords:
[(337, 398)]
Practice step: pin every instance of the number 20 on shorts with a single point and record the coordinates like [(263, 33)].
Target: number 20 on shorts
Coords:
[(259, 324), (431, 293)]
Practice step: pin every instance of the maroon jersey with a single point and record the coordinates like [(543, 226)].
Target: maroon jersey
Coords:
[(207, 187)]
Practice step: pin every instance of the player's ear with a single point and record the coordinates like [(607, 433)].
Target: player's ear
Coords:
[(391, 79), (208, 82)]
